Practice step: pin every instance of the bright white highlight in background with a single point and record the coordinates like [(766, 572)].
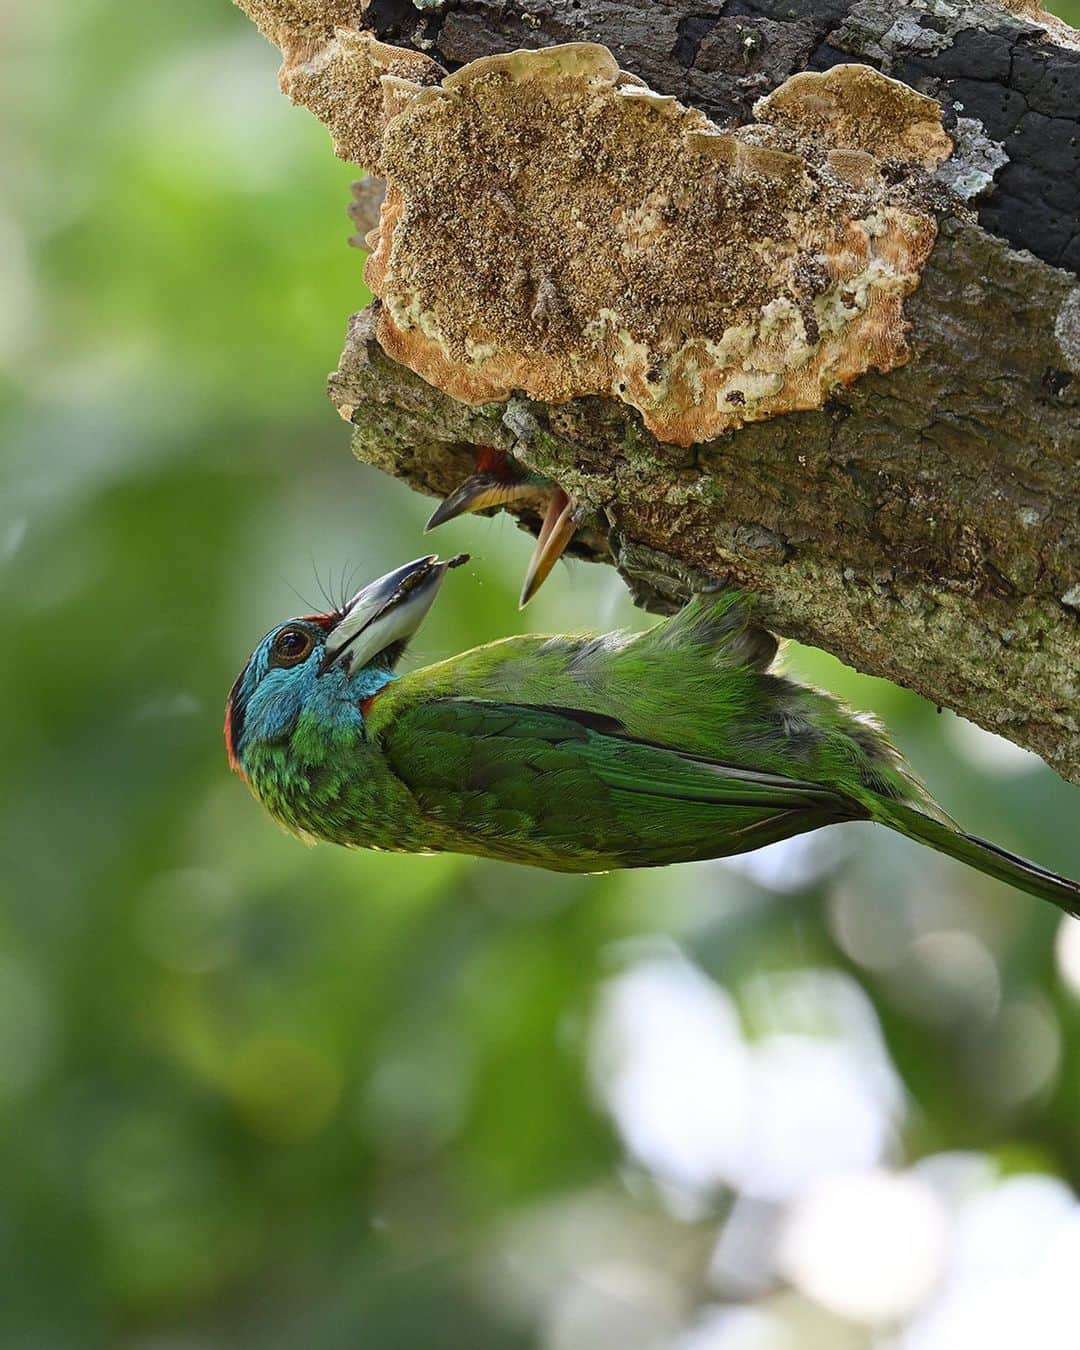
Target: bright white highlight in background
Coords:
[(789, 1101), (1013, 1277), (868, 1246), (738, 1329), (1067, 951), (703, 1105)]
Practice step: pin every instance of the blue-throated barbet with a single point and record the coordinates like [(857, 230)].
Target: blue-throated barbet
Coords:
[(579, 754)]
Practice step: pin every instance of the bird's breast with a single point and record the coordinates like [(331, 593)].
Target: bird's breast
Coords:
[(344, 795)]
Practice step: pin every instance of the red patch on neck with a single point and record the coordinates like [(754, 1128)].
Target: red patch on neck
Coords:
[(230, 748), (490, 460), (365, 703)]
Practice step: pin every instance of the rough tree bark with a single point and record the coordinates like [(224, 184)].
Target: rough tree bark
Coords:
[(922, 524)]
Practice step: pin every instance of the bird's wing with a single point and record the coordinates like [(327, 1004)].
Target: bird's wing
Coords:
[(568, 788)]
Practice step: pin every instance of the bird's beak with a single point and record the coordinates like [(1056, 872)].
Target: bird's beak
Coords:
[(478, 491), (561, 523), (386, 613)]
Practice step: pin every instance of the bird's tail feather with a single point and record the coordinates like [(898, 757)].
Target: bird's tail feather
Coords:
[(985, 857)]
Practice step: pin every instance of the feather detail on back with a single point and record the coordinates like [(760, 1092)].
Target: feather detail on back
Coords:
[(698, 682)]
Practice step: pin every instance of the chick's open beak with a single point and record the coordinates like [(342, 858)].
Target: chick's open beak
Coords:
[(478, 491), (386, 613), (561, 522)]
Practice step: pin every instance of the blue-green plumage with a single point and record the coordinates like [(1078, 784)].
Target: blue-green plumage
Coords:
[(573, 753)]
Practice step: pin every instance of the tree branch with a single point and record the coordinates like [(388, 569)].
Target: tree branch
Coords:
[(922, 524)]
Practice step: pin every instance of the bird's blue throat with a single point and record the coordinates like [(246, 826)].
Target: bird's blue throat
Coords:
[(266, 703)]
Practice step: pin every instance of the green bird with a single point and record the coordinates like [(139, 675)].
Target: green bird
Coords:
[(577, 753)]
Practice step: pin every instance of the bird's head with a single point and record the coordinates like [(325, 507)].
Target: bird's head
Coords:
[(330, 665)]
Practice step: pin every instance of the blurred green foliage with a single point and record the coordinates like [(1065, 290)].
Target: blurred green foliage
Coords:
[(257, 1095)]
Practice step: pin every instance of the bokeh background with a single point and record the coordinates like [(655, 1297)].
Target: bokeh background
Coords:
[(256, 1095)]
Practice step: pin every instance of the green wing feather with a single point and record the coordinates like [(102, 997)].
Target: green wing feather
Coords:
[(698, 682), (557, 788)]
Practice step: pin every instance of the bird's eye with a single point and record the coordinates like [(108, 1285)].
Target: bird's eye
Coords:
[(291, 646)]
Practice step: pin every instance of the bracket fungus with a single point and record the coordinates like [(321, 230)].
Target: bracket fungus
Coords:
[(553, 226), (337, 71)]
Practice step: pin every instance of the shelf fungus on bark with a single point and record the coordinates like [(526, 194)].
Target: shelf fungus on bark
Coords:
[(337, 71), (551, 225)]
